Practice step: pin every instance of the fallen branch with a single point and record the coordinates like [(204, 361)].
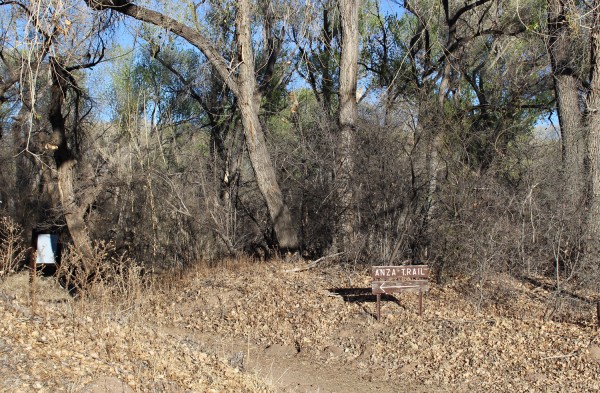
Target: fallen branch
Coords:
[(574, 353), (312, 264), (487, 321)]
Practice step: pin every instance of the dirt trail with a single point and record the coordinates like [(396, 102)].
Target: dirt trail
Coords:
[(254, 328), (296, 330), (291, 371)]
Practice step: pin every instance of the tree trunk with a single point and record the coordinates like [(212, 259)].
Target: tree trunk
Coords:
[(249, 104), (327, 53), (65, 163), (566, 86), (59, 185), (348, 115), (592, 249), (572, 134)]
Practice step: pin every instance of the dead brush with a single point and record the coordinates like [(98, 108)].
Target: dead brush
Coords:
[(104, 275), (12, 247)]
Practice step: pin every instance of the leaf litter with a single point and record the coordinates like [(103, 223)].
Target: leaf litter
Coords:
[(255, 327)]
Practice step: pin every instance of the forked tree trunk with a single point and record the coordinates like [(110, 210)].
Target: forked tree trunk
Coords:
[(64, 194), (348, 115)]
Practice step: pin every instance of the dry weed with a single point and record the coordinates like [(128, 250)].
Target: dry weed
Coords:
[(104, 274), (12, 248)]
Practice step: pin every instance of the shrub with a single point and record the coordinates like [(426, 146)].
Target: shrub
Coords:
[(12, 246), (104, 273)]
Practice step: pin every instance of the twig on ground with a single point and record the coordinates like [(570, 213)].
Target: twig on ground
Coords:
[(312, 264), (574, 353), (487, 321)]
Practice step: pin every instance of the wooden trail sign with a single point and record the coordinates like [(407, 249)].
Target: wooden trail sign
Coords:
[(380, 287), (392, 279)]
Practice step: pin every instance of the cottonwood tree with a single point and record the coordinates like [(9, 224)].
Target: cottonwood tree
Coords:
[(48, 53), (240, 76), (328, 62), (573, 49), (448, 63), (567, 61), (592, 251), (217, 113), (348, 114)]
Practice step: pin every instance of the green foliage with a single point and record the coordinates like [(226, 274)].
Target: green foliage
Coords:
[(507, 90)]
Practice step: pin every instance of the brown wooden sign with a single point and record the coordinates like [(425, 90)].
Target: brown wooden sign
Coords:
[(399, 272), (392, 279)]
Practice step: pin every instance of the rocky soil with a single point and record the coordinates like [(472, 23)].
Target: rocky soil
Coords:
[(247, 327)]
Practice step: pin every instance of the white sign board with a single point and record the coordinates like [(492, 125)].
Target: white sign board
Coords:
[(47, 249)]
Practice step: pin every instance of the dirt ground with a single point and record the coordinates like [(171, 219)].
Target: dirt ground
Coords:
[(245, 327)]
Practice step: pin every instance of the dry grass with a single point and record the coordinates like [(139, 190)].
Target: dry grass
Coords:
[(12, 247)]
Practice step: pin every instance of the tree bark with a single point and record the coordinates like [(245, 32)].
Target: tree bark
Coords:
[(566, 87), (245, 90), (326, 55), (64, 195), (249, 104), (348, 114), (592, 249)]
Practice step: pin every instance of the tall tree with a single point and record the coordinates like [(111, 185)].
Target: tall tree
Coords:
[(64, 192), (592, 252), (241, 78), (47, 53), (567, 85), (574, 59), (348, 114)]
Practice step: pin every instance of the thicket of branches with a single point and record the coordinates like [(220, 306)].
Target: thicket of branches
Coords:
[(416, 130)]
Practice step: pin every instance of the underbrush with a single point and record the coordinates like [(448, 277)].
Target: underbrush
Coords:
[(103, 274), (12, 246)]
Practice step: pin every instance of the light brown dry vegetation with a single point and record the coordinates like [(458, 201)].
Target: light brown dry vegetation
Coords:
[(98, 344), (244, 326), (12, 249)]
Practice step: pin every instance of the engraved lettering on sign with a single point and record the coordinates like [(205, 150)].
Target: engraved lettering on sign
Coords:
[(415, 271)]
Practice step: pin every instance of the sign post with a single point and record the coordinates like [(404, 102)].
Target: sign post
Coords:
[(392, 279)]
